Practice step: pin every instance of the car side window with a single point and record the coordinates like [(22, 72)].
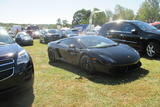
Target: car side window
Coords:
[(157, 26), (68, 42), (18, 36), (126, 27), (106, 28), (114, 27)]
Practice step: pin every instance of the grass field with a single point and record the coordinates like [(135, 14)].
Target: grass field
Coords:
[(66, 85)]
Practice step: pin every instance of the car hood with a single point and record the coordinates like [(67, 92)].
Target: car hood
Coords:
[(9, 51), (120, 54)]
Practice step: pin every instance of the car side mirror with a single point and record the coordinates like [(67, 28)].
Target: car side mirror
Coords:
[(72, 48), (134, 31)]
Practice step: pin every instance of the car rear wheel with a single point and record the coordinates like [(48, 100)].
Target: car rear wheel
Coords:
[(152, 49), (86, 64), (52, 58)]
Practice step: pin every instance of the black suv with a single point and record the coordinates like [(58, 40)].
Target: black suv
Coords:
[(16, 67), (137, 34)]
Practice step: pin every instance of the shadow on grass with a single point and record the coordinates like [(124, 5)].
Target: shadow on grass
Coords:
[(101, 77), (24, 98), (146, 57)]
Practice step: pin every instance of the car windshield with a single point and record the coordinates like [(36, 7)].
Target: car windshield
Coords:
[(145, 26), (75, 31), (97, 42), (24, 36), (5, 38), (70, 32), (52, 31)]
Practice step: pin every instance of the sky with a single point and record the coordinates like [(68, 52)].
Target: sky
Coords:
[(48, 11)]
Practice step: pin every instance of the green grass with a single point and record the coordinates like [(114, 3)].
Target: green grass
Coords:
[(66, 85)]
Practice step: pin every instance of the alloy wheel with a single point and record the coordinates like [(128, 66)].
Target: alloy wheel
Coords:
[(86, 64), (151, 50)]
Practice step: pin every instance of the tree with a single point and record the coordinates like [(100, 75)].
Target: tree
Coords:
[(81, 17), (149, 11), (123, 13), (109, 15), (99, 18), (65, 23), (59, 21)]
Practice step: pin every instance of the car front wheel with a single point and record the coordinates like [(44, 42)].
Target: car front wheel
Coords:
[(52, 58), (152, 49), (86, 64)]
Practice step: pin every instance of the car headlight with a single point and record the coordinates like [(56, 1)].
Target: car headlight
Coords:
[(23, 57), (137, 52)]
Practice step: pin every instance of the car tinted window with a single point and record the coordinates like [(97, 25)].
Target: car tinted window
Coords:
[(5, 38), (126, 27), (145, 26), (157, 26), (68, 42), (97, 42), (106, 28), (52, 31)]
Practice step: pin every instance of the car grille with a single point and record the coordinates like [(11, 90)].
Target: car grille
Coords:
[(6, 69), (127, 68)]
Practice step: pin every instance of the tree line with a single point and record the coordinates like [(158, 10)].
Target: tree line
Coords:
[(149, 11)]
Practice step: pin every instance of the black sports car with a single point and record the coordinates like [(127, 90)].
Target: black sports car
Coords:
[(138, 34), (50, 35), (95, 53), (24, 39), (16, 67)]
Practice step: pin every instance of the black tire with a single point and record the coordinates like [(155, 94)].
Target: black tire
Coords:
[(86, 64), (152, 49), (52, 57)]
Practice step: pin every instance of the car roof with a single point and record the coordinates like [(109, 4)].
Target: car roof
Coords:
[(120, 21)]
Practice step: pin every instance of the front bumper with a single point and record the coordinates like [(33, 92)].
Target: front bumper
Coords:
[(27, 42), (23, 78), (117, 69), (51, 38)]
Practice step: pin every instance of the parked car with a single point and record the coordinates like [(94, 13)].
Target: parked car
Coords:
[(24, 39), (16, 28), (69, 33), (11, 34), (36, 34), (51, 35), (95, 53), (156, 24), (137, 34), (16, 67)]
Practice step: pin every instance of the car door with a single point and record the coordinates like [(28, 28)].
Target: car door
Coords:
[(128, 37), (68, 54)]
